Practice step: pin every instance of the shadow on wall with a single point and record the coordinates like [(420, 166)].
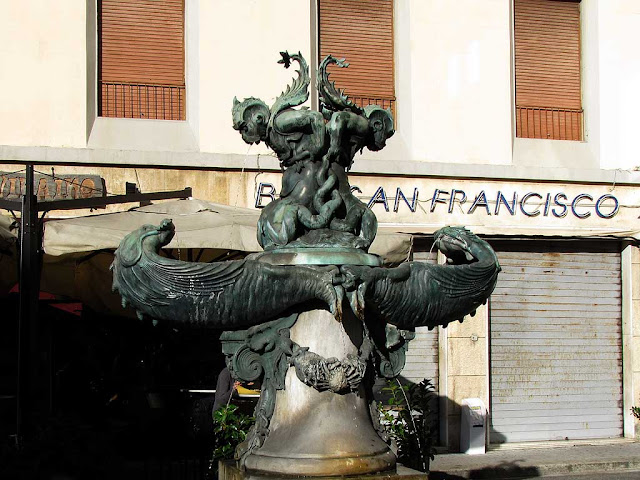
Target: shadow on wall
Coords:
[(453, 410), (502, 469), (436, 407)]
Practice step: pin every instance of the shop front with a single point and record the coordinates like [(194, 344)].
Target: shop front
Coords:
[(551, 353), (556, 341)]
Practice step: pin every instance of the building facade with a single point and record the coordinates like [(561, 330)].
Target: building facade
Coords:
[(515, 118)]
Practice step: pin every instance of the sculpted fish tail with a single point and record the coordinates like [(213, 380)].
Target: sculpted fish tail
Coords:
[(231, 294), (421, 294)]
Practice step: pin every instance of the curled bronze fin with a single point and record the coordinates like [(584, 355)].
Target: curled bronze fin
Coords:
[(356, 307), (330, 97), (298, 92)]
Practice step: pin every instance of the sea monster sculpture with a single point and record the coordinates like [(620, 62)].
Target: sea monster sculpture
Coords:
[(262, 299), (223, 295), (316, 205), (245, 293), (257, 302), (453, 290)]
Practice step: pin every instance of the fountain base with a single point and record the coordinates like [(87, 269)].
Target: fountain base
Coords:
[(228, 470), (315, 433)]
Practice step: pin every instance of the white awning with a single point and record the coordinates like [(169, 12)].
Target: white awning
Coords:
[(8, 231), (8, 254), (518, 230), (199, 224)]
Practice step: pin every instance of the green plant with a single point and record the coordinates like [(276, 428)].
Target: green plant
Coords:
[(230, 428), (408, 420), (636, 412)]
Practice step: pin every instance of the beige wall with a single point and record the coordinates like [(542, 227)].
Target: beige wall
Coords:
[(631, 343), (43, 73), (239, 45), (619, 75), (464, 371), (454, 83)]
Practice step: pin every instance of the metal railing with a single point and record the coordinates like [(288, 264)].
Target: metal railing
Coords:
[(139, 100), (549, 123), (384, 102)]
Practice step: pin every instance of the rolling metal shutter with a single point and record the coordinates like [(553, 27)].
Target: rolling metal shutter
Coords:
[(362, 32), (422, 356), (141, 59), (556, 348), (547, 58)]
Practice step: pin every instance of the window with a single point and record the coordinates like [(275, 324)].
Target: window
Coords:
[(547, 56), (362, 32), (141, 59)]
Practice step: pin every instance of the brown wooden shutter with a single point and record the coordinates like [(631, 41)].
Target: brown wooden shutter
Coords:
[(141, 58), (547, 54), (362, 32)]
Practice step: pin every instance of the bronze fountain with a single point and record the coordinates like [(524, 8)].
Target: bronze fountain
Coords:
[(314, 317)]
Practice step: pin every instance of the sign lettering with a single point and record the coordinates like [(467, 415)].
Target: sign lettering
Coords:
[(47, 188), (485, 202)]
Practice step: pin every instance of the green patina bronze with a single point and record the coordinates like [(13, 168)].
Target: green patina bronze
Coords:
[(315, 237), (316, 206), (260, 353)]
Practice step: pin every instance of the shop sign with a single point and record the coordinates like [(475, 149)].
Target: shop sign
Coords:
[(488, 206), (501, 202), (48, 187), (530, 204)]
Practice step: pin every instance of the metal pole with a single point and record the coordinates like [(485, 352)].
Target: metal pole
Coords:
[(28, 314)]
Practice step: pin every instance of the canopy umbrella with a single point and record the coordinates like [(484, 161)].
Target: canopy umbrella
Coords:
[(199, 224), (8, 254), (8, 231)]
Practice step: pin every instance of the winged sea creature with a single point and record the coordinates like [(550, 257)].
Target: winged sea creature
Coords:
[(223, 295), (418, 294), (243, 293)]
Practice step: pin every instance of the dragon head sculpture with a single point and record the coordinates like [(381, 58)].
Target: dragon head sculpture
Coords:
[(380, 126), (250, 118), (460, 246), (147, 237)]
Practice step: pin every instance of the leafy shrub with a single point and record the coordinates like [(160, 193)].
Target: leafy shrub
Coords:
[(636, 412), (408, 420), (230, 428)]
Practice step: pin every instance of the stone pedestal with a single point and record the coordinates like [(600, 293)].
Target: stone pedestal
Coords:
[(322, 433), (228, 470)]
